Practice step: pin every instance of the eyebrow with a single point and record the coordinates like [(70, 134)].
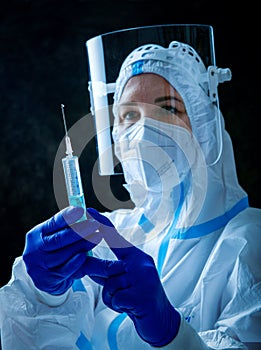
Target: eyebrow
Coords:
[(167, 98), (128, 104), (157, 100)]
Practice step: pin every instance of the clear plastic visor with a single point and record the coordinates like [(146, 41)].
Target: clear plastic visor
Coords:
[(106, 54)]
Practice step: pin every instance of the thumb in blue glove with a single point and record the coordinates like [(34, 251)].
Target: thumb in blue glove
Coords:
[(138, 290)]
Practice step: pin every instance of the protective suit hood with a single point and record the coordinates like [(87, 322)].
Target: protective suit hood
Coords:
[(198, 211)]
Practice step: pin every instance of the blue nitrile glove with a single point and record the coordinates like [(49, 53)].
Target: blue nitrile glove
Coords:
[(55, 251), (137, 291)]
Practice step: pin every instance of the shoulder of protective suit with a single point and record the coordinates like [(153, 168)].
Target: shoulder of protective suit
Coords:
[(242, 235), (247, 222)]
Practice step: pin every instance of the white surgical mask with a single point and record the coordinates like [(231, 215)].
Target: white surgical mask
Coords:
[(156, 155)]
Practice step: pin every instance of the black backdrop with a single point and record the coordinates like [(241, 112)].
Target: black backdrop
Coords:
[(43, 63)]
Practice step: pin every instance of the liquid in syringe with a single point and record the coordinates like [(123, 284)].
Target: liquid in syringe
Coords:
[(72, 174)]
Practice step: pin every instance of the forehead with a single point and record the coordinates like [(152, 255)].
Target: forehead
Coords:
[(146, 87)]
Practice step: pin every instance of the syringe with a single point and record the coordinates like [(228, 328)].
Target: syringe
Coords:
[(72, 174)]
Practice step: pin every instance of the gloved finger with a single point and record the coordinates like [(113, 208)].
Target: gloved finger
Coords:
[(81, 264), (70, 268), (59, 257), (99, 280), (99, 217), (95, 267), (118, 244), (89, 230), (124, 302), (61, 220), (112, 286), (86, 230)]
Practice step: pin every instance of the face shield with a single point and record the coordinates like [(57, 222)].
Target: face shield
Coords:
[(183, 55)]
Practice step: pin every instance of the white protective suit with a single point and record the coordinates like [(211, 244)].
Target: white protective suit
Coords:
[(209, 266)]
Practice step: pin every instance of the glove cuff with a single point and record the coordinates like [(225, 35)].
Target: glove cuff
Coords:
[(174, 320), (47, 298)]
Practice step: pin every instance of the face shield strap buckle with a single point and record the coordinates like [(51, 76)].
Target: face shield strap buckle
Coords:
[(214, 76), (99, 89)]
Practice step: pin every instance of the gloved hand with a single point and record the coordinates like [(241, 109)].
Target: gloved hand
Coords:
[(136, 291), (55, 250)]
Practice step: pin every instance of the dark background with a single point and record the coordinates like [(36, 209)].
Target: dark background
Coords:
[(43, 63)]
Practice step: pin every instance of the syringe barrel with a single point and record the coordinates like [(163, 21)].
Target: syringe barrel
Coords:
[(73, 181)]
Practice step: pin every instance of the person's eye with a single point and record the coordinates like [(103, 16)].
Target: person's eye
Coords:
[(129, 116), (166, 111), (170, 109)]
